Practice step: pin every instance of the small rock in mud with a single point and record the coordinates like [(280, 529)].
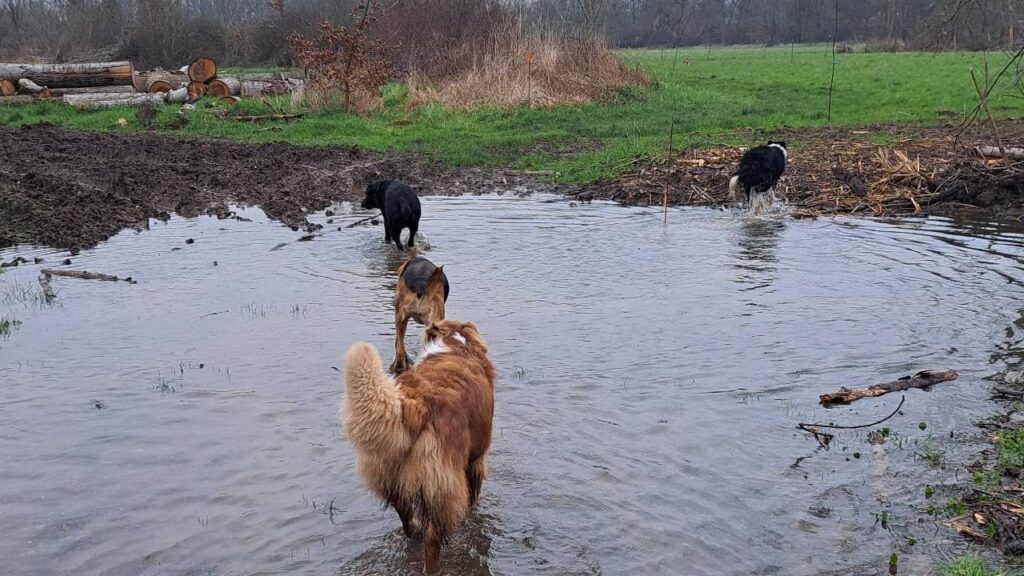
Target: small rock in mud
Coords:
[(74, 251), (306, 238), (331, 221), (97, 404), (242, 219), (329, 213), (190, 241), (214, 262), (16, 261), (38, 260), (163, 216), (374, 222), (66, 262), (176, 248), (294, 228), (875, 437)]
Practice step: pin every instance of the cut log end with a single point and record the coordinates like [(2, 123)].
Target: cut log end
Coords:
[(202, 70), (218, 88), (7, 88), (159, 86), (196, 90), (230, 100)]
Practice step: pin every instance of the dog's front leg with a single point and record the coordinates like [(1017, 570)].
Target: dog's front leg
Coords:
[(401, 362)]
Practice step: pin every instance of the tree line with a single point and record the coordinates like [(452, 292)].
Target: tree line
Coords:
[(170, 33)]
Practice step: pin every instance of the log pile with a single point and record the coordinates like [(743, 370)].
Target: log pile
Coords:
[(94, 86)]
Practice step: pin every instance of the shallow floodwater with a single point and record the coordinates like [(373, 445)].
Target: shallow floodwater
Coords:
[(650, 379)]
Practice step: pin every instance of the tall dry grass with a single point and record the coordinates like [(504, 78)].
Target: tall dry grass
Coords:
[(515, 67)]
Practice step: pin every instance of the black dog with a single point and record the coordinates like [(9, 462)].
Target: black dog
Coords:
[(400, 207), (759, 173)]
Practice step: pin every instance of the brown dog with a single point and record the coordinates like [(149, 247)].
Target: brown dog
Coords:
[(421, 438), (420, 294)]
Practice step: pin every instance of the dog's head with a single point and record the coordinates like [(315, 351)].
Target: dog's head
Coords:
[(455, 335), (780, 144), (375, 195)]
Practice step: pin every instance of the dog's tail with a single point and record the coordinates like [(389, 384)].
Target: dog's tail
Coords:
[(372, 409), (734, 183)]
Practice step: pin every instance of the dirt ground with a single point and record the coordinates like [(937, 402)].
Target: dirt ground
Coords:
[(881, 170), (72, 190)]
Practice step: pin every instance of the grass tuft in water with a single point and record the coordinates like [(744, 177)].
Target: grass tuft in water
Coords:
[(8, 326)]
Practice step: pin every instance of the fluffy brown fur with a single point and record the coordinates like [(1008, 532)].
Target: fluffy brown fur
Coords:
[(425, 309), (421, 439)]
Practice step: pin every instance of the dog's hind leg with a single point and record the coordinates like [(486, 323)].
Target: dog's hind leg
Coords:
[(397, 237), (431, 548), (401, 362), (476, 473), (410, 519)]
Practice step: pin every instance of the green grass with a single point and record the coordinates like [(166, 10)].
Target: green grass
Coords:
[(1010, 450), (968, 566), (717, 97), (8, 326)]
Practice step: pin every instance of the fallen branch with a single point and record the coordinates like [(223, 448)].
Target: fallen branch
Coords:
[(263, 117), (923, 379), (367, 219), (83, 275), (996, 152)]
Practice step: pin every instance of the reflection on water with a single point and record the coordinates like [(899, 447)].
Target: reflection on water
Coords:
[(650, 378)]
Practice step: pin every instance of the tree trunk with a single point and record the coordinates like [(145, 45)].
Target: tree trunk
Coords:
[(7, 88), (179, 96), (25, 86), (112, 90), (71, 75), (101, 101), (196, 90), (202, 70), (266, 77), (159, 86), (144, 80), (222, 87), (22, 99)]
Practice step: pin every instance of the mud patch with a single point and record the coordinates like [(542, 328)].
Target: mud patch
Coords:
[(72, 190)]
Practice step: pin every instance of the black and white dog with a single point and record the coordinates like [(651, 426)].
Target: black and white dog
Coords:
[(400, 207), (759, 173)]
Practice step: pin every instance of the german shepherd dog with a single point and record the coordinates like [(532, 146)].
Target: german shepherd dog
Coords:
[(400, 207), (759, 172), (420, 295), (421, 438)]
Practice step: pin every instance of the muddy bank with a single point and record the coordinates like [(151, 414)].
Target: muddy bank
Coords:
[(70, 189), (879, 170)]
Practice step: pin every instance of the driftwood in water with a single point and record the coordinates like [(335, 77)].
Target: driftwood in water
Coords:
[(71, 75), (922, 379), (996, 152), (8, 88), (83, 275), (202, 70), (101, 101)]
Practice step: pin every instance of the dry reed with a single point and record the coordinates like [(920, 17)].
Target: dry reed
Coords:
[(538, 69)]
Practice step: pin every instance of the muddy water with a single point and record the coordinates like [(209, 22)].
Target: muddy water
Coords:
[(650, 381)]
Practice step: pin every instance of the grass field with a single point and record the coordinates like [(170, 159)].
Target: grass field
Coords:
[(712, 94)]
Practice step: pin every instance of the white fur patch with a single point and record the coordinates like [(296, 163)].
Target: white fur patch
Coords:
[(433, 347), (458, 337), (785, 153)]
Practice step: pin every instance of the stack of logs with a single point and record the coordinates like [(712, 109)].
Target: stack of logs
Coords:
[(109, 84)]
